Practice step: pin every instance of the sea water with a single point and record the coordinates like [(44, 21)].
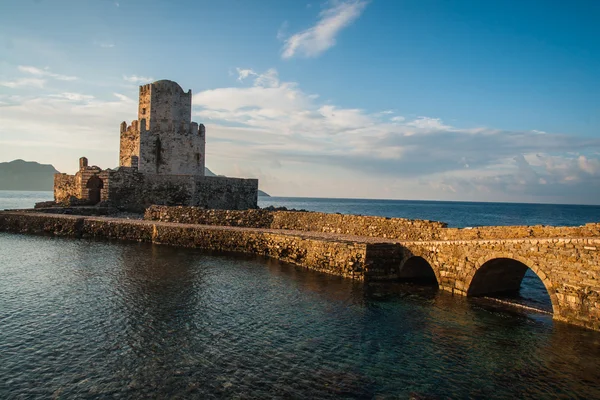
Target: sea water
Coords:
[(100, 319)]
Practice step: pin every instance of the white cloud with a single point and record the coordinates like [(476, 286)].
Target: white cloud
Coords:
[(138, 79), (33, 82), (70, 124), (244, 73), (426, 123), (44, 72), (322, 36), (271, 120), (73, 96), (591, 167)]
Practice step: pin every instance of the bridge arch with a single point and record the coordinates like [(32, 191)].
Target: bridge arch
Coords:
[(498, 272), (419, 268)]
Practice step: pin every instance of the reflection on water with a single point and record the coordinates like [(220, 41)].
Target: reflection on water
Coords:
[(85, 319)]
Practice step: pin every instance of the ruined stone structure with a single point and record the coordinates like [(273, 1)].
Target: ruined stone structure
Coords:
[(163, 140), (161, 161)]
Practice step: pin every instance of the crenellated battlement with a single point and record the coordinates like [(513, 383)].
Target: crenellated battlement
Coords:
[(145, 88), (164, 138)]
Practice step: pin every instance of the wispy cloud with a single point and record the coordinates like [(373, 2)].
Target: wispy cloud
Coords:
[(74, 124), (322, 36), (282, 31), (137, 79), (104, 44), (45, 72), (276, 122), (32, 82), (244, 73), (73, 96)]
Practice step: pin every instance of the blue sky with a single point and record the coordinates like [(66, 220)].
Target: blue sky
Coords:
[(423, 99)]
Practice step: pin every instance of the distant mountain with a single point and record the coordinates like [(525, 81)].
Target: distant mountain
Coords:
[(30, 175), (26, 175), (208, 172)]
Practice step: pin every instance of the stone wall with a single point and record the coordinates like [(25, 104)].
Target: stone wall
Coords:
[(169, 142), (65, 187), (518, 232), (129, 144), (134, 191), (167, 101), (173, 150), (389, 228), (337, 257), (217, 192)]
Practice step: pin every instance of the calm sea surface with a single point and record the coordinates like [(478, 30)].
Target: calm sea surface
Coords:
[(99, 319)]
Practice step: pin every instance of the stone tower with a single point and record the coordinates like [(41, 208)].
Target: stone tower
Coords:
[(164, 140)]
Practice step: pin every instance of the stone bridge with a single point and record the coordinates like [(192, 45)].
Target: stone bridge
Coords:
[(483, 261), (569, 268)]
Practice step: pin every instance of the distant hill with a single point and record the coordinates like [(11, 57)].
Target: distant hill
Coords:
[(26, 175), (30, 175), (208, 172)]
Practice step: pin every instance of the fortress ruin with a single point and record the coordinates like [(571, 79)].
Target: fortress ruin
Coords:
[(161, 161)]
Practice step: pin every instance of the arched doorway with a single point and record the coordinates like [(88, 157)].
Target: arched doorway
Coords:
[(94, 186), (417, 270), (511, 279)]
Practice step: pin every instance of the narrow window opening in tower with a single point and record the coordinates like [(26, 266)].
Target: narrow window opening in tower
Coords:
[(157, 153), (198, 158), (143, 111)]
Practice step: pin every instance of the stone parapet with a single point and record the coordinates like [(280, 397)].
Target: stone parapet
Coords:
[(334, 256), (388, 228), (519, 232), (308, 221)]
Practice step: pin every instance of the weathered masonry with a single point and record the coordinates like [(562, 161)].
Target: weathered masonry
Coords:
[(161, 161)]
